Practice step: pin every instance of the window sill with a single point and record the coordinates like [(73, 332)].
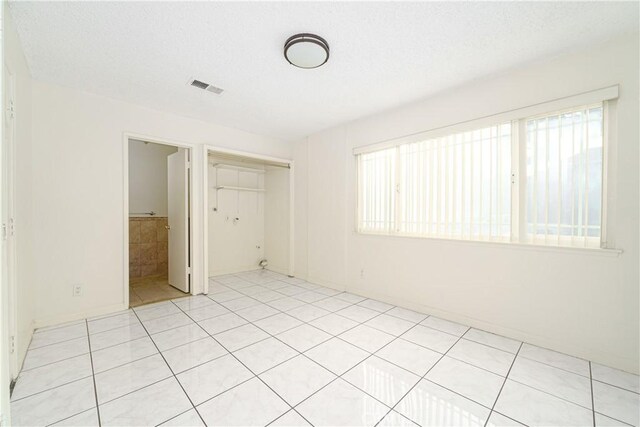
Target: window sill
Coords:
[(608, 252)]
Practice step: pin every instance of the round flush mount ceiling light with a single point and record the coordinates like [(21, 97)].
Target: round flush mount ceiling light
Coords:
[(306, 50)]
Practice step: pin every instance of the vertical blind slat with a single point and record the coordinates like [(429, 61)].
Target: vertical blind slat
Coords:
[(460, 186)]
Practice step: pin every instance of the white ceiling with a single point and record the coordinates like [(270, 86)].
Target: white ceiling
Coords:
[(382, 54)]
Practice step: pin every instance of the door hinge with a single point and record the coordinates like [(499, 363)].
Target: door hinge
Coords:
[(12, 227), (4, 231), (11, 111), (12, 344)]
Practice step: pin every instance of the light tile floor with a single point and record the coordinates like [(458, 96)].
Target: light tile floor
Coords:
[(265, 349), (147, 290)]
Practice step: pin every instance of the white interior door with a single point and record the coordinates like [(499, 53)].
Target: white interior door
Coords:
[(178, 209)]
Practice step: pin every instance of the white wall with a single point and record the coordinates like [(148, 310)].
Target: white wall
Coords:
[(276, 219), (16, 64), (77, 170), (579, 303), (148, 177), (300, 205), (327, 209), (235, 245)]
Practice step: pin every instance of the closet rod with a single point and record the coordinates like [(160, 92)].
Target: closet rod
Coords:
[(238, 168)]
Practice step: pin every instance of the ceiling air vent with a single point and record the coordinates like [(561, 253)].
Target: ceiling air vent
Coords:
[(206, 86)]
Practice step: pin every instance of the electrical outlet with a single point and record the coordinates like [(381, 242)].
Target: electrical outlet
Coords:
[(77, 290)]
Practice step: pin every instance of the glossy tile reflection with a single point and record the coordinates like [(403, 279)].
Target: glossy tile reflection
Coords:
[(265, 349)]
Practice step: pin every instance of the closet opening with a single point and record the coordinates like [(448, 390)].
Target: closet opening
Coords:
[(249, 219)]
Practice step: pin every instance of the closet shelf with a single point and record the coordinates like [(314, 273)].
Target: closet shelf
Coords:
[(237, 168), (228, 187)]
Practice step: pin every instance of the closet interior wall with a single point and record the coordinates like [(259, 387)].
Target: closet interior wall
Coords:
[(236, 215), (248, 214)]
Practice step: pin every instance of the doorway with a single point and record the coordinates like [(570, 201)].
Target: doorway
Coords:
[(249, 213), (159, 221)]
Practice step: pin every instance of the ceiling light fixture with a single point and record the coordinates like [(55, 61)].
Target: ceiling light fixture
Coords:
[(306, 50)]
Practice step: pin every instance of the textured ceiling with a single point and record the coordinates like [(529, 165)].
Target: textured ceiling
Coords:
[(382, 54)]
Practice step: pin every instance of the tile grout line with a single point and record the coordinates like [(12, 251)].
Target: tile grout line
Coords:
[(378, 313), (617, 386), (422, 378), (138, 389), (556, 367), (54, 362), (56, 423), (370, 354), (140, 323), (170, 370), (593, 406), (332, 336), (50, 328), (307, 357), (125, 364), (335, 336), (93, 375), (245, 366), (503, 383), (86, 321), (281, 312), (179, 415), (51, 388), (624, 423), (57, 342), (338, 337), (551, 394)]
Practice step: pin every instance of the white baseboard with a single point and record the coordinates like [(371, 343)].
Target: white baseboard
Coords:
[(56, 320), (275, 269), (233, 270), (595, 355), (279, 270), (326, 283)]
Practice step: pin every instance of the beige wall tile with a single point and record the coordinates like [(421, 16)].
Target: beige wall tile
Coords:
[(147, 257), (163, 268), (134, 271), (134, 231), (148, 231), (148, 269), (134, 254), (148, 253), (163, 251), (162, 233)]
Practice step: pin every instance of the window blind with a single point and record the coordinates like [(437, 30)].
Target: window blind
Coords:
[(468, 185), (457, 186), (564, 177), (376, 191)]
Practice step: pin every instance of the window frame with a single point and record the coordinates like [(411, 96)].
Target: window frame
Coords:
[(589, 242), (518, 119)]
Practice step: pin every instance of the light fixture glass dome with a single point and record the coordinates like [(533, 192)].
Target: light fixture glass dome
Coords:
[(306, 50)]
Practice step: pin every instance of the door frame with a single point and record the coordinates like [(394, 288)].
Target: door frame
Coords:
[(208, 149), (195, 283), (9, 363), (8, 159)]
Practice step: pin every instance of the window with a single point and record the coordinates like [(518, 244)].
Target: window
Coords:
[(377, 191), (468, 185), (564, 177)]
